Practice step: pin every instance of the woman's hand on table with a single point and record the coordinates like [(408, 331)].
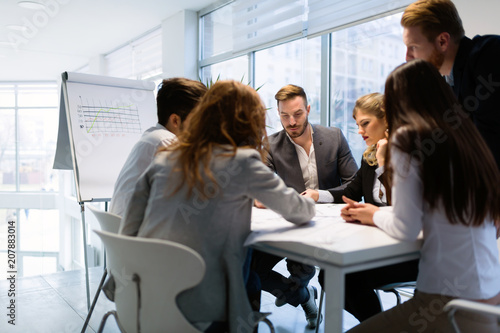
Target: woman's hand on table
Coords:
[(355, 211)]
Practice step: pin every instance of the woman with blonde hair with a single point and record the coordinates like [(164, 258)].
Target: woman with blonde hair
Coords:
[(369, 114), (361, 300), (200, 192)]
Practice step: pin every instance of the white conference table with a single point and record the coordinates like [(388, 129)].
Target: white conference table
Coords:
[(334, 245)]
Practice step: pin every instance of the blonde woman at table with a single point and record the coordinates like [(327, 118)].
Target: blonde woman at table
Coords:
[(369, 114), (200, 192), (361, 300), (444, 183)]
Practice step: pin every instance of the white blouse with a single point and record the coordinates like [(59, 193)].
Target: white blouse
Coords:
[(141, 155), (456, 260)]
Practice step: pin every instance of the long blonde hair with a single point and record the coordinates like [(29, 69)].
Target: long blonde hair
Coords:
[(372, 104), (230, 113)]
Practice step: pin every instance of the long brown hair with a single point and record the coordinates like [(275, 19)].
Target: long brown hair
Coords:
[(372, 104), (230, 114), (426, 121)]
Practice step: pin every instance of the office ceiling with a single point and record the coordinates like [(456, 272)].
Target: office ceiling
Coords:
[(67, 33)]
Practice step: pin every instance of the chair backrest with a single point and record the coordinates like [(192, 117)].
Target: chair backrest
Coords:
[(164, 268), (498, 245), (108, 221)]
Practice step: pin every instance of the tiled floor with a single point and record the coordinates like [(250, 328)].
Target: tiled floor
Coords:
[(57, 303)]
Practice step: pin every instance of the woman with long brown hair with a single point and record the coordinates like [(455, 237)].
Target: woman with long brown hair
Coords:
[(200, 192), (445, 183)]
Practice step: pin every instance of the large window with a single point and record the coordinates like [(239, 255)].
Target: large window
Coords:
[(216, 29), (298, 63), (335, 68), (232, 69), (38, 241), (28, 184), (361, 58), (28, 137)]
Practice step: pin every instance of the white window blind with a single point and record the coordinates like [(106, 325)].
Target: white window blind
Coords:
[(139, 59), (119, 62), (329, 15), (147, 55), (258, 23)]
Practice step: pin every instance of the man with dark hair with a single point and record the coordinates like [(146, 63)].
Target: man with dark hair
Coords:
[(175, 100), (433, 31), (311, 159)]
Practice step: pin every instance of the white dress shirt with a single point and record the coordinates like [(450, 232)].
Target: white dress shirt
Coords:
[(310, 170), (137, 162), (378, 188)]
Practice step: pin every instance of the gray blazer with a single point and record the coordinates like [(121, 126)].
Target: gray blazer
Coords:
[(216, 227), (335, 164)]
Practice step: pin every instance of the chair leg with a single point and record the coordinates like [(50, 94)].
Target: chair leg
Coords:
[(105, 318), (137, 281), (94, 302), (451, 317), (319, 309), (269, 324), (398, 297), (396, 293)]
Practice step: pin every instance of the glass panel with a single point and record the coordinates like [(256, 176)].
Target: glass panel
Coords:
[(297, 62), (37, 144), (217, 32), (233, 69), (6, 215), (37, 95), (7, 151), (7, 96), (38, 230), (38, 265), (362, 57)]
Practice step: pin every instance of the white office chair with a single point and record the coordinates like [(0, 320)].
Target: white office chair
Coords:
[(388, 288), (111, 223), (461, 304), (149, 274), (107, 221), (397, 289)]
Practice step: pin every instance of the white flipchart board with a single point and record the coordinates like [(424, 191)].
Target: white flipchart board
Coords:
[(100, 120)]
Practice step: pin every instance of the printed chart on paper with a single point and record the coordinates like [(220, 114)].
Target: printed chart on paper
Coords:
[(105, 117)]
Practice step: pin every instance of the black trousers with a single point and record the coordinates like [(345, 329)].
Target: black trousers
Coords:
[(361, 300), (292, 289)]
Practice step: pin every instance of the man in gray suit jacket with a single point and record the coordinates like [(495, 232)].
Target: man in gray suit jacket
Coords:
[(312, 160)]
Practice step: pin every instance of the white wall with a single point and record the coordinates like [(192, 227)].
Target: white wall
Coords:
[(180, 45), (479, 17)]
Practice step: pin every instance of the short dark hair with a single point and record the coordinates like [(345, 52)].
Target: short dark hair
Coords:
[(178, 96)]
